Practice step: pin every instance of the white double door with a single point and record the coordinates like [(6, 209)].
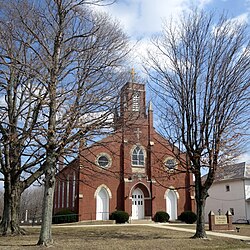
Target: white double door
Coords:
[(137, 204)]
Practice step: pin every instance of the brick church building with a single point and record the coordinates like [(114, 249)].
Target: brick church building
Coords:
[(133, 169)]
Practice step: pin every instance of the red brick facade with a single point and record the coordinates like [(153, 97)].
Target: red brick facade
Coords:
[(127, 170)]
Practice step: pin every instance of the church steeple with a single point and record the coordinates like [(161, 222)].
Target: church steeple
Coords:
[(133, 104)]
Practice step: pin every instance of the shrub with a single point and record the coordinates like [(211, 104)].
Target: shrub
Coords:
[(64, 216), (119, 216), (188, 217), (161, 216)]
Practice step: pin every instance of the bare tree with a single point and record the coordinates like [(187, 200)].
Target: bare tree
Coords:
[(21, 98), (31, 204), (77, 60), (200, 74)]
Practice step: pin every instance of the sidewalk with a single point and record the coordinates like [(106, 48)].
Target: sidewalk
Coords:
[(217, 234)]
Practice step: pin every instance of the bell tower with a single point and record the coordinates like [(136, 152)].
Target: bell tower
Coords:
[(132, 102)]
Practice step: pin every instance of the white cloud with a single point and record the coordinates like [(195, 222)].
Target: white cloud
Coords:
[(140, 19), (241, 19), (244, 158), (144, 17)]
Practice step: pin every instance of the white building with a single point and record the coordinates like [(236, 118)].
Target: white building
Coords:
[(231, 192)]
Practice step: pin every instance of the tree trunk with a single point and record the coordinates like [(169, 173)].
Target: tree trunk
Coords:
[(200, 198), (10, 219), (45, 238), (200, 224)]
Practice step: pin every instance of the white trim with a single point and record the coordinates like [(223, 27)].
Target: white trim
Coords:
[(67, 192), (74, 189), (144, 154), (171, 188), (133, 187), (170, 158), (58, 194), (62, 195), (107, 156), (100, 187)]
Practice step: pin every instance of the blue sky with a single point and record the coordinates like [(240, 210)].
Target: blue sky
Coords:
[(141, 19)]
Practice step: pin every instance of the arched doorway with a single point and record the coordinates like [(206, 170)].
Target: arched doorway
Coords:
[(102, 205), (137, 204), (171, 205)]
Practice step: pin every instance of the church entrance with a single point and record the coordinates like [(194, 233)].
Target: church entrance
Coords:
[(137, 204), (172, 205), (102, 205)]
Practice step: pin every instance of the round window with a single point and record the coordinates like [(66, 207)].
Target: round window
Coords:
[(103, 161), (170, 163)]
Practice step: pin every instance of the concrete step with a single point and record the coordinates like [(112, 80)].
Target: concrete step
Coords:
[(145, 221)]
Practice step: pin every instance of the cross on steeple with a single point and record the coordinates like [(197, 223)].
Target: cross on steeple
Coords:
[(132, 74), (138, 132)]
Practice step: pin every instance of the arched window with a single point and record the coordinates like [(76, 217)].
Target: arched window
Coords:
[(138, 157)]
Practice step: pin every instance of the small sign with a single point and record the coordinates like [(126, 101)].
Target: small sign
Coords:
[(220, 219)]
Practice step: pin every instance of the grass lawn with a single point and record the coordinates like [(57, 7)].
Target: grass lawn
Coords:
[(119, 237)]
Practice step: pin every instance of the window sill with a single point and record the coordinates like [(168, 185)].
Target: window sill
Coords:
[(137, 166)]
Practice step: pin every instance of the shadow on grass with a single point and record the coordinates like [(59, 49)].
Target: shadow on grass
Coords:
[(15, 245), (121, 235)]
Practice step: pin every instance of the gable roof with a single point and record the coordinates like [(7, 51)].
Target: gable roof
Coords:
[(231, 172)]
